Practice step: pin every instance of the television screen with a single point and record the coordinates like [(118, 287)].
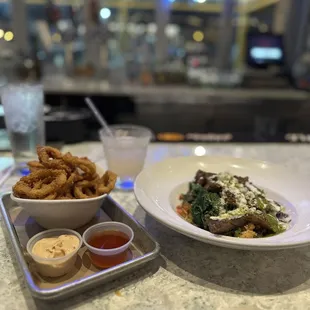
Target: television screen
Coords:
[(264, 49)]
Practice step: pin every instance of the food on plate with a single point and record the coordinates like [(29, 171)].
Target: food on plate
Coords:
[(223, 203), (56, 246), (63, 176)]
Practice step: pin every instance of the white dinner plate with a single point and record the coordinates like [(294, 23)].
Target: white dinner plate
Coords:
[(158, 187)]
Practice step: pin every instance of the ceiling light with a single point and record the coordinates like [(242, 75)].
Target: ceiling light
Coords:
[(8, 36), (198, 36), (105, 13)]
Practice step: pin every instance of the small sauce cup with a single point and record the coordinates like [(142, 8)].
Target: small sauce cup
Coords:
[(54, 267), (108, 243)]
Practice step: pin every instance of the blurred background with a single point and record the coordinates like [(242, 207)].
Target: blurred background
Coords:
[(191, 70)]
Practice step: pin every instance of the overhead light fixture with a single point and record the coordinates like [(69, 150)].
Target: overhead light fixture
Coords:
[(198, 36), (8, 36), (1, 33), (200, 1), (105, 13)]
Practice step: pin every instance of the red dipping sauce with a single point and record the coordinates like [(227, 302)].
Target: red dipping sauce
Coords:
[(109, 239)]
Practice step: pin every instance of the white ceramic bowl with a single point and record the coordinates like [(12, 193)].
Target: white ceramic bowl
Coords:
[(158, 187), (71, 214)]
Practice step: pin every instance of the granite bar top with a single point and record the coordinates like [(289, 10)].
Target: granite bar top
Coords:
[(188, 274)]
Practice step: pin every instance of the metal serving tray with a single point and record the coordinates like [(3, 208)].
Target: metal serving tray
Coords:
[(21, 228)]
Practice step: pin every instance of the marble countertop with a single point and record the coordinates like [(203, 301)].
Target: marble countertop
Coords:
[(188, 274)]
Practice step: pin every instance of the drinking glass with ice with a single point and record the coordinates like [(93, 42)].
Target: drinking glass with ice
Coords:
[(23, 113), (125, 151)]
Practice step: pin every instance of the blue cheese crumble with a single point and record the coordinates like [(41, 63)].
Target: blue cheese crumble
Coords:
[(248, 198)]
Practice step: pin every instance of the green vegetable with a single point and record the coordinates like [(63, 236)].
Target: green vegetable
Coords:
[(260, 204), (204, 205), (192, 192), (263, 203), (259, 189), (274, 224), (230, 207), (238, 232), (266, 202)]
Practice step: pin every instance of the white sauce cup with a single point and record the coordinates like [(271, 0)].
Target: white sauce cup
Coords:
[(54, 267)]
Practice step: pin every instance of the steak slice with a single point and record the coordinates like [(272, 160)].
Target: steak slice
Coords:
[(242, 180), (202, 178), (226, 225), (202, 175)]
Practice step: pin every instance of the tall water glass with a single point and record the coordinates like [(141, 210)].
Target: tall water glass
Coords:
[(125, 152), (24, 119)]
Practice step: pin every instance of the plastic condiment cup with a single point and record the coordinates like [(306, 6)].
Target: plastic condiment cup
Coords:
[(105, 258), (54, 267)]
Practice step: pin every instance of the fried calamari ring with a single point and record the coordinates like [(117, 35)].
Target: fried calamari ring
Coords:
[(73, 178), (85, 189), (90, 192), (41, 183), (52, 158), (65, 197), (87, 177), (84, 164), (46, 153), (58, 176), (106, 183), (38, 185), (51, 196), (25, 187), (34, 165)]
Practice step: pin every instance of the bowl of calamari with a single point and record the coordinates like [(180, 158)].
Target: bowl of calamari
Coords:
[(62, 190)]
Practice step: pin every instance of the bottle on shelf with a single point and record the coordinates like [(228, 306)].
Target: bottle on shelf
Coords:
[(28, 66)]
